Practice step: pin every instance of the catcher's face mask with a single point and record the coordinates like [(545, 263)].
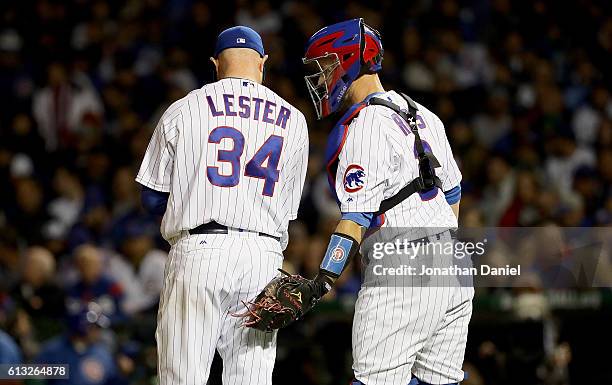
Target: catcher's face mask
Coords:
[(340, 53), (325, 83)]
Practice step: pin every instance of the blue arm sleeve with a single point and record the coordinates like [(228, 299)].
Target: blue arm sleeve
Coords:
[(154, 201), (362, 219), (453, 195)]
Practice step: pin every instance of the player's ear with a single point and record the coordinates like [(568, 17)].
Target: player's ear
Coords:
[(262, 68), (215, 63), (263, 63)]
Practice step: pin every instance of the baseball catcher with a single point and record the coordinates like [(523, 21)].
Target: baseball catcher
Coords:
[(390, 166)]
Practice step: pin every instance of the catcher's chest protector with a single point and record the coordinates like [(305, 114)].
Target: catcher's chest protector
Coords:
[(427, 178)]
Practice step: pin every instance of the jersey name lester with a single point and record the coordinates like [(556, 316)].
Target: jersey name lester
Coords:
[(253, 108), (354, 178)]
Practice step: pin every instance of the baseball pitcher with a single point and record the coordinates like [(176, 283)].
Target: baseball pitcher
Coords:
[(226, 166), (391, 168)]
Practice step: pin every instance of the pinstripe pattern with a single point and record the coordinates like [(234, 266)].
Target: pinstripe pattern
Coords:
[(179, 152), (377, 143), (207, 276), (402, 328), (406, 325), (204, 283)]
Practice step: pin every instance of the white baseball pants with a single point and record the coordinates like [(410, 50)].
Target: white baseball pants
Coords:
[(206, 278)]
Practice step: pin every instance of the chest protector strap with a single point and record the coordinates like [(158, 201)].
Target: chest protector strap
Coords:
[(427, 178)]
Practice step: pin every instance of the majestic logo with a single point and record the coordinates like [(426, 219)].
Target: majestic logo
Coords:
[(354, 178), (337, 254)]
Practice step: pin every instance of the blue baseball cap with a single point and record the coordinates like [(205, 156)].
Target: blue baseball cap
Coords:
[(239, 37)]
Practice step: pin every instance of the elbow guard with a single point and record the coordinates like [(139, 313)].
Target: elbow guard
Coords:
[(340, 250)]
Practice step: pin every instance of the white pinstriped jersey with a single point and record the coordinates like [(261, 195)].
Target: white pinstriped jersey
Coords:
[(233, 152), (402, 328), (378, 159)]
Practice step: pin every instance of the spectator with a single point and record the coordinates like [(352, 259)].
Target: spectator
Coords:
[(496, 122), (9, 350), (140, 271), (59, 108), (64, 210), (125, 193), (499, 191), (261, 16), (28, 216), (93, 226), (523, 210), (90, 361), (37, 295), (23, 139), (94, 285), (566, 158)]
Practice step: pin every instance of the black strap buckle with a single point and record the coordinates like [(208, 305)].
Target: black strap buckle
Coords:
[(427, 178), (427, 174)]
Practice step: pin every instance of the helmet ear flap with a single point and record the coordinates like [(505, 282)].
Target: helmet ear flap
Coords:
[(371, 50)]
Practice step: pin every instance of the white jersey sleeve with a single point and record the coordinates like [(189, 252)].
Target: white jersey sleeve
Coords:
[(156, 168), (379, 158), (449, 173), (365, 164)]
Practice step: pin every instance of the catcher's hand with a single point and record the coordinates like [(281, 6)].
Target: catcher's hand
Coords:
[(284, 299)]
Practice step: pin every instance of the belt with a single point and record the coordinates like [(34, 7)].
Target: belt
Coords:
[(217, 228)]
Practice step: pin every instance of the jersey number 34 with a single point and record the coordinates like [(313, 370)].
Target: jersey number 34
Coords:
[(270, 150)]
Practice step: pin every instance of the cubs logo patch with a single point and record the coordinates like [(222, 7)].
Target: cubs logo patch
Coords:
[(354, 178), (338, 254)]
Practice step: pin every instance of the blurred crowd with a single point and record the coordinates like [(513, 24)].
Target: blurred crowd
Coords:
[(522, 87)]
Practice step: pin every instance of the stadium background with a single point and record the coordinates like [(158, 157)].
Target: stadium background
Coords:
[(523, 89)]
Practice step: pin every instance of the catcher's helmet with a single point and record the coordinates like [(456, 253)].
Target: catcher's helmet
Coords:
[(339, 54)]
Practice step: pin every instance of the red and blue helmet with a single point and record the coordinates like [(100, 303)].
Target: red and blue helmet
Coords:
[(338, 55)]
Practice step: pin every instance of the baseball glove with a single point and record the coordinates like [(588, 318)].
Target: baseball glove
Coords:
[(284, 299)]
